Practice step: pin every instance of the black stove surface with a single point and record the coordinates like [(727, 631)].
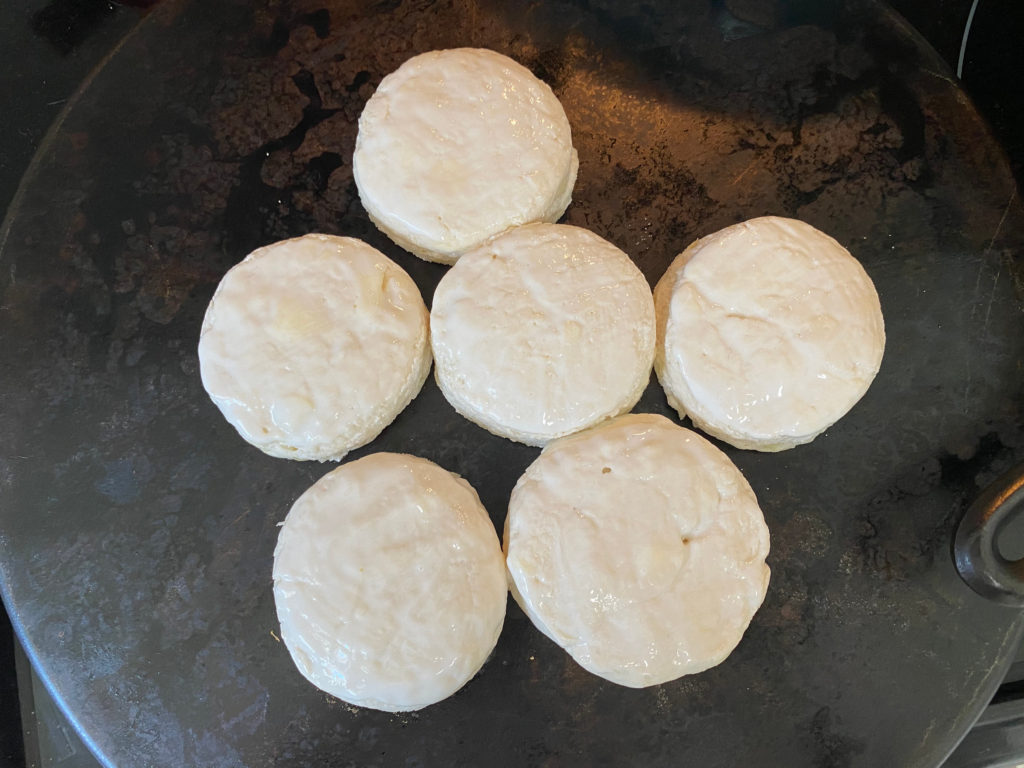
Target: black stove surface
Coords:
[(48, 47)]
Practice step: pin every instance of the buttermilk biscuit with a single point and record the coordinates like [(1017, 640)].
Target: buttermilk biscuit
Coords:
[(389, 583), (311, 346), (769, 331), (639, 548), (458, 145), (543, 331)]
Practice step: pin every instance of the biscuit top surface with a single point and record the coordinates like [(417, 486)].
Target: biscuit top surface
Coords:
[(310, 346), (639, 548), (389, 582), (457, 145), (543, 331), (771, 331)]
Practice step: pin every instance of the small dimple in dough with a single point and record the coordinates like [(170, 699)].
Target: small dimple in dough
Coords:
[(542, 331), (639, 548), (311, 346), (769, 331), (458, 145), (389, 583)]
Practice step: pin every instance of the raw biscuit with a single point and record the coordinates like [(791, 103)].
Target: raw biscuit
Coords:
[(311, 346), (458, 145), (769, 331), (389, 583), (543, 331), (639, 548)]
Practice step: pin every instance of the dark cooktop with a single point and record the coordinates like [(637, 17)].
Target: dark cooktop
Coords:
[(48, 48)]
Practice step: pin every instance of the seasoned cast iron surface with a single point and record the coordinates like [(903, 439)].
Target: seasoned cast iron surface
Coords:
[(137, 528)]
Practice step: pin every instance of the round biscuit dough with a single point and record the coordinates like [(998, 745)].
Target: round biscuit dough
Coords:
[(458, 145), (769, 331), (639, 548), (541, 332), (311, 346), (389, 583)]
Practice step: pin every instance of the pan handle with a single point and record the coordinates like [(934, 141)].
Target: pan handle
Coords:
[(976, 546)]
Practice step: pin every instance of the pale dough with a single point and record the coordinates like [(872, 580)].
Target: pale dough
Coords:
[(389, 583), (639, 548), (458, 145), (543, 331), (769, 331), (311, 346)]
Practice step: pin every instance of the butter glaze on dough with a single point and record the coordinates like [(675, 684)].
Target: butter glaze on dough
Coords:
[(458, 145), (542, 331), (389, 583), (769, 331), (311, 346), (639, 548)]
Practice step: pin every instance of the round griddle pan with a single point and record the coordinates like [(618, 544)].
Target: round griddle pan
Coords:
[(137, 528)]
